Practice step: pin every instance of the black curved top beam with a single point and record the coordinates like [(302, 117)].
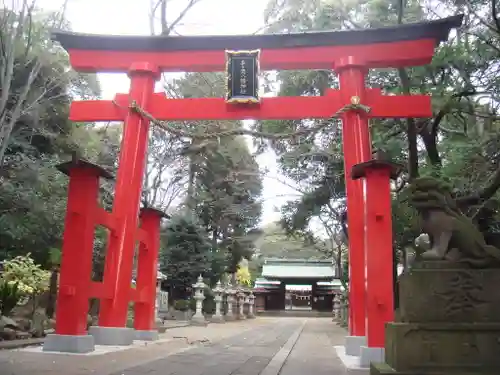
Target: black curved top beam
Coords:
[(437, 30)]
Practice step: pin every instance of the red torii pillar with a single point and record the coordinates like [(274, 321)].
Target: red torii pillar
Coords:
[(357, 149), (75, 278), (147, 270), (122, 242), (378, 250)]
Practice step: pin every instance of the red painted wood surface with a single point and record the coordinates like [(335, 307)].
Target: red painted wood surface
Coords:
[(379, 256), (357, 149), (121, 246), (76, 256), (147, 264), (379, 55), (285, 108)]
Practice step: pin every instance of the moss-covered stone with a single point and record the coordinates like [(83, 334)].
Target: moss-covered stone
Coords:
[(443, 346), (449, 323), (449, 295), (453, 236), (384, 369)]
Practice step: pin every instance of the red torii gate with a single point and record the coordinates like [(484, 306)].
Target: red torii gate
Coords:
[(349, 53)]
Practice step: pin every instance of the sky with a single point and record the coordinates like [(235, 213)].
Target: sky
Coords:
[(209, 17)]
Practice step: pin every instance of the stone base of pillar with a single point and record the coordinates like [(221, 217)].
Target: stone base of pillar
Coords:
[(198, 321), (152, 335), (369, 355), (69, 344), (112, 336), (217, 319), (241, 317), (251, 316), (353, 345), (228, 318), (350, 364)]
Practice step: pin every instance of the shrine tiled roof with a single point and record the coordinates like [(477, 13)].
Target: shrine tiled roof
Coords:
[(298, 269)]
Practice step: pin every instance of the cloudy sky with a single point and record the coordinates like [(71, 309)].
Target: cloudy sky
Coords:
[(209, 17)]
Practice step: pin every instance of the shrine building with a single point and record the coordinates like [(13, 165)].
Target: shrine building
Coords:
[(296, 284)]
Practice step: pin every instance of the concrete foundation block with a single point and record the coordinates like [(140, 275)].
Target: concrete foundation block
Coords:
[(152, 335), (112, 336), (371, 355), (69, 344), (353, 345), (351, 364)]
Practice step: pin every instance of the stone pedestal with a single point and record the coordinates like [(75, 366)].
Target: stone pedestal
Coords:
[(449, 323), (152, 335), (69, 344), (112, 336), (353, 345)]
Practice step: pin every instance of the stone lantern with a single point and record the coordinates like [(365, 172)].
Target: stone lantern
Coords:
[(199, 295), (230, 292), (251, 305), (241, 303), (344, 311), (336, 308), (161, 301), (218, 292)]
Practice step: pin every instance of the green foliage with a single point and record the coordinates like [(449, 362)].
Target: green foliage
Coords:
[(209, 305), (32, 191), (243, 276), (10, 295), (182, 305), (226, 191), (30, 278), (225, 185), (459, 144), (187, 253)]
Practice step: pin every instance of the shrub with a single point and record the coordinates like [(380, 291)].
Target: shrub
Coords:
[(29, 278), (209, 305), (181, 305), (192, 304), (10, 295)]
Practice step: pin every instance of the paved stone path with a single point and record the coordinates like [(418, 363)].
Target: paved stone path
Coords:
[(264, 346)]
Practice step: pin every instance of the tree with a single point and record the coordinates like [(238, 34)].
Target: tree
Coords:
[(33, 74), (32, 191), (224, 183), (186, 255), (243, 276), (456, 144), (166, 174), (158, 10)]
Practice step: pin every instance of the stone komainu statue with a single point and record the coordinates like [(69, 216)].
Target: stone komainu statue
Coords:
[(453, 236)]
